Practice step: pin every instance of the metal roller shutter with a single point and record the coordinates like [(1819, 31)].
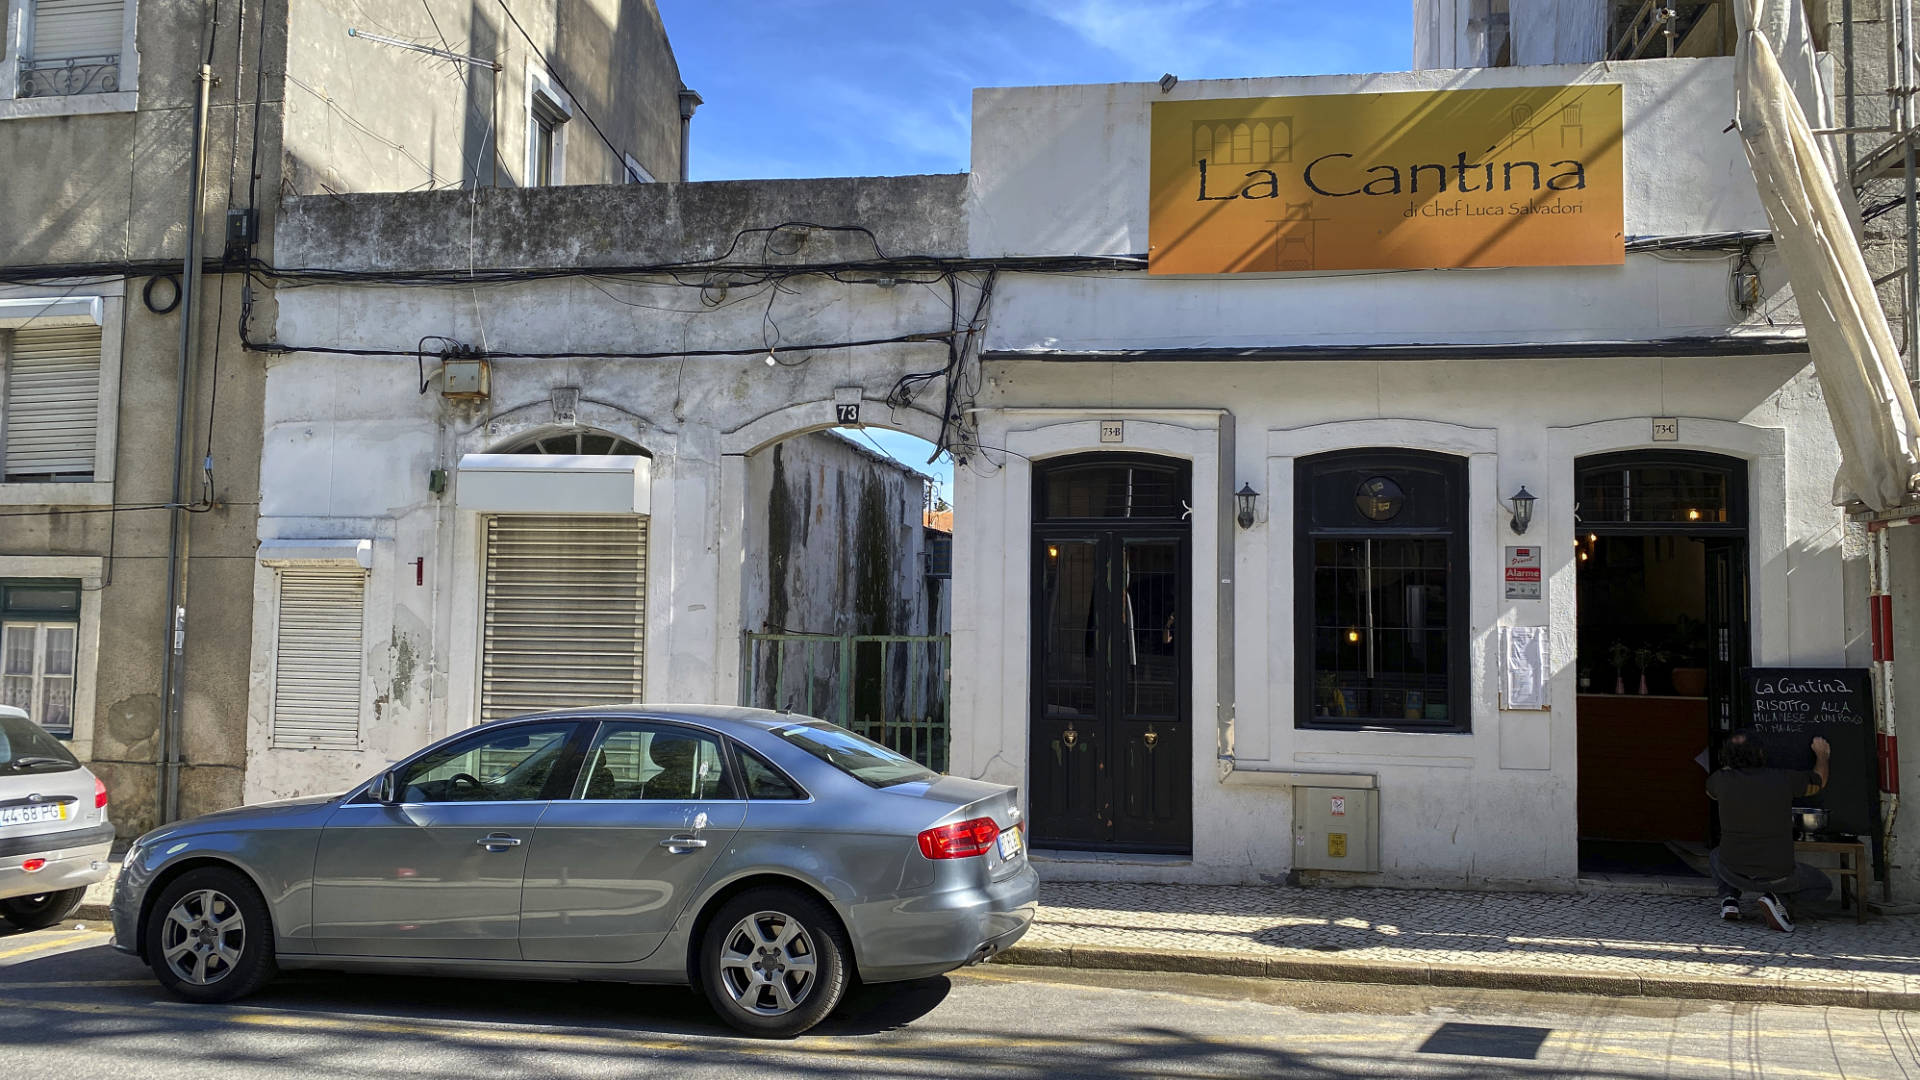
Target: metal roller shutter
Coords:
[(67, 29), (566, 613), (316, 669), (53, 403)]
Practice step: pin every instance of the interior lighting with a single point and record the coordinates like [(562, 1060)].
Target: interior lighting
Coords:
[(1693, 515), (1052, 552), (1353, 637)]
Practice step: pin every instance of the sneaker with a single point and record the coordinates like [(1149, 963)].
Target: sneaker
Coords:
[(1730, 909), (1775, 913)]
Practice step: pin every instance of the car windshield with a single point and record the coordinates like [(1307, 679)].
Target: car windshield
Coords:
[(863, 759), (26, 747)]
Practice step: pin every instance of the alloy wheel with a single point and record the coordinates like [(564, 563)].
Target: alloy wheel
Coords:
[(204, 937), (768, 963)]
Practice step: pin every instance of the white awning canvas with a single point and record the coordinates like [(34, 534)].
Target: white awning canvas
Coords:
[(1853, 349)]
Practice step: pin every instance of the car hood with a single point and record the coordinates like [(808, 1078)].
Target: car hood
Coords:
[(283, 814)]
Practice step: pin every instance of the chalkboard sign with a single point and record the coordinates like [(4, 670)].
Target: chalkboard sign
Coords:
[(1789, 706)]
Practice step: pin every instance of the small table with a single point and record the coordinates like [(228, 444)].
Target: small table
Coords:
[(1850, 873)]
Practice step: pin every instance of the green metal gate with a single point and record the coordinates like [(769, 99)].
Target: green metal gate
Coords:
[(891, 688)]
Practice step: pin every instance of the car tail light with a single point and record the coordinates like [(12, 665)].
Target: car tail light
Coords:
[(99, 794), (33, 864), (962, 841)]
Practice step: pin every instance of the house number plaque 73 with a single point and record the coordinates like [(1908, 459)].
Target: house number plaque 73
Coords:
[(847, 414)]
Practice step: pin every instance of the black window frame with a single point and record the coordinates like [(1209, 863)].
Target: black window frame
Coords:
[(1733, 469), (1384, 461)]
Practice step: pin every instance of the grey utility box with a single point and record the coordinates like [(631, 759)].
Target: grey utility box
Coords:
[(1336, 829)]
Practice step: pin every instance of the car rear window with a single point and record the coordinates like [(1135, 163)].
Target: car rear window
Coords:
[(26, 747), (863, 759)]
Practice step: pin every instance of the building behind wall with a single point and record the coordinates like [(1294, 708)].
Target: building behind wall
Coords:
[(97, 127)]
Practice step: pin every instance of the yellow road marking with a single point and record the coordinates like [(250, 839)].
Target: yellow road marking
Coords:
[(49, 943)]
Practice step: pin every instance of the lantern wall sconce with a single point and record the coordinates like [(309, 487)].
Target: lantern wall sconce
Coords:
[(1521, 507), (1244, 502)]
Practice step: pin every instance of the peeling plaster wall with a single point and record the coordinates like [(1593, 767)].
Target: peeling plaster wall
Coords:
[(350, 441)]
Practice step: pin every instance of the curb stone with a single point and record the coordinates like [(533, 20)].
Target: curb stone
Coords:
[(1489, 977)]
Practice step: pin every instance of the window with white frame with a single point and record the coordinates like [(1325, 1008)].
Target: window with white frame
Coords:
[(39, 648), (49, 393), (67, 48), (317, 657), (548, 110)]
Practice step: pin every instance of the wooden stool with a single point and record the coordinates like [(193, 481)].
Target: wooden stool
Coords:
[(1850, 873)]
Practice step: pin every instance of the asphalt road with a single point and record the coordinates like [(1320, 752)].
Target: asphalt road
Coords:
[(72, 1007)]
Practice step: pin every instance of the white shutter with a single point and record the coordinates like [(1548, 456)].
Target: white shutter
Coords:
[(53, 403), (566, 613), (65, 29), (316, 663)]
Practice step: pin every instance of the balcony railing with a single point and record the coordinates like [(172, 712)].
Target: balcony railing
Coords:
[(66, 77)]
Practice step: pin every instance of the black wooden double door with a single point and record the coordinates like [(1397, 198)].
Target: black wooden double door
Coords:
[(1111, 731)]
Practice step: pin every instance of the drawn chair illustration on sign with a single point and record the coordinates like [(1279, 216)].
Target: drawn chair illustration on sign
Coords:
[(1570, 126), (1293, 237)]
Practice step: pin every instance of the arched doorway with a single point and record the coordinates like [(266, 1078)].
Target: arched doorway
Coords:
[(1110, 732), (1663, 630), (563, 617)]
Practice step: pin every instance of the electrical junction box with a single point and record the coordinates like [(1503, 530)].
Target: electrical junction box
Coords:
[(1336, 829), (463, 377)]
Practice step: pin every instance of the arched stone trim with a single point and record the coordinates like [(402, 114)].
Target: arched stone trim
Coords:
[(522, 422), (1267, 578), (1765, 452), (809, 416)]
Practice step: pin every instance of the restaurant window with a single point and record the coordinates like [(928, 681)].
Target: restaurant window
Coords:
[(39, 647), (1671, 488), (1382, 591)]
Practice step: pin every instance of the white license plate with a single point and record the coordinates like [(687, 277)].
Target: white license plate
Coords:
[(1010, 842), (23, 815)]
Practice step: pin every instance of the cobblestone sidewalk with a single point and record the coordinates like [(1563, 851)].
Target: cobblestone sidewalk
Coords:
[(1606, 942)]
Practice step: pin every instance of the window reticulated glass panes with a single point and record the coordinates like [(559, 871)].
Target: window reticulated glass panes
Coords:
[(510, 765), (39, 650), (1680, 489), (1383, 591), (1103, 490), (51, 381), (579, 441), (633, 761)]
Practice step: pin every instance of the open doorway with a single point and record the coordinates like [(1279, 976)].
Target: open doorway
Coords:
[(1663, 629)]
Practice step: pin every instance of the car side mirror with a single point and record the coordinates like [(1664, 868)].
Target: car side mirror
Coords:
[(387, 788)]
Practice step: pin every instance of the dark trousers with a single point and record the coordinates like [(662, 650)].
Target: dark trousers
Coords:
[(1807, 885)]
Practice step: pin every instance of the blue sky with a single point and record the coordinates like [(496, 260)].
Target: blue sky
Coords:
[(799, 88)]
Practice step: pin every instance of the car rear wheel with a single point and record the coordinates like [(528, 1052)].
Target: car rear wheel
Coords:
[(774, 962), (209, 937), (39, 912)]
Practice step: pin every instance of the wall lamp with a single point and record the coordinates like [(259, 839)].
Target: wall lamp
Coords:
[(1521, 506), (1244, 501)]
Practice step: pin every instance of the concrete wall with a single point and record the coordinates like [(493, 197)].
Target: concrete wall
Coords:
[(103, 179), (366, 116)]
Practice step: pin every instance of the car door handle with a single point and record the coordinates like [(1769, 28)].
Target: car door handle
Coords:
[(681, 844), (498, 842)]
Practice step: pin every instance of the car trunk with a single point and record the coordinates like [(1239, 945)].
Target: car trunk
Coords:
[(955, 799)]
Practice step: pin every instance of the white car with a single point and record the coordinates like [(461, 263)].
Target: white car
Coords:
[(54, 832)]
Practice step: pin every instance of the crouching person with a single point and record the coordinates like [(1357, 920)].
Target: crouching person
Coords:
[(1756, 832)]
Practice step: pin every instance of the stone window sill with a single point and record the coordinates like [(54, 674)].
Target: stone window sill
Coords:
[(74, 105), (95, 493)]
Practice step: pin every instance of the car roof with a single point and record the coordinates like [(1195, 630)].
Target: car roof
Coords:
[(763, 719), (14, 710)]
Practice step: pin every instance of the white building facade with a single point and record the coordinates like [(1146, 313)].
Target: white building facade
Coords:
[(1334, 688)]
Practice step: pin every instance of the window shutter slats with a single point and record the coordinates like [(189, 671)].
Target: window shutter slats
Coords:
[(68, 29), (317, 660), (53, 403), (566, 612)]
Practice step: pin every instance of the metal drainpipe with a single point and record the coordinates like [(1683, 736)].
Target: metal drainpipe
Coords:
[(175, 640), (689, 101)]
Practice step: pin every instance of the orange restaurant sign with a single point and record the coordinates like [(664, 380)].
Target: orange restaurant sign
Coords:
[(1524, 176)]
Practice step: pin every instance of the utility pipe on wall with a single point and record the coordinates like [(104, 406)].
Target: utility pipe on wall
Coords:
[(174, 647)]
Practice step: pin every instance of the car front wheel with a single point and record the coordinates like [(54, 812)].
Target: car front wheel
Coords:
[(209, 937), (41, 911), (774, 962)]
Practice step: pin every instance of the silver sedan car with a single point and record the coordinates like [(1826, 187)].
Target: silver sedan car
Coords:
[(767, 858)]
